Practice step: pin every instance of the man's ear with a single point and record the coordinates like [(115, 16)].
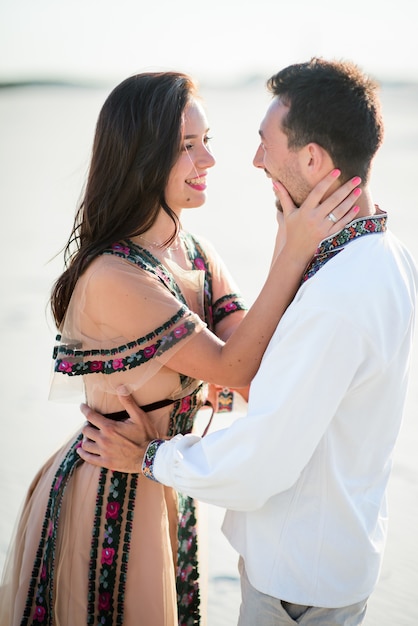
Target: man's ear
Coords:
[(315, 162)]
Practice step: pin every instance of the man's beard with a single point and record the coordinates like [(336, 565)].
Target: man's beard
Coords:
[(301, 189), (279, 205)]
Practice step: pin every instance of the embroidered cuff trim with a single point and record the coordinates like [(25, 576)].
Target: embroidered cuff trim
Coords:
[(149, 458)]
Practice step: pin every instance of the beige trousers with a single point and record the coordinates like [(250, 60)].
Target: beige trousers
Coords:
[(259, 609)]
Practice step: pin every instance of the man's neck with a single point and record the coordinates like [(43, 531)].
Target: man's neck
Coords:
[(366, 204)]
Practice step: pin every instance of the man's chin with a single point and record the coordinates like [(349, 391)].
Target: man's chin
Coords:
[(280, 208)]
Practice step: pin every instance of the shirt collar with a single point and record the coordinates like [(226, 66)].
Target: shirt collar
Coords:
[(331, 246)]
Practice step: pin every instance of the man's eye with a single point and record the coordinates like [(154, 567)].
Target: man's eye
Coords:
[(207, 139)]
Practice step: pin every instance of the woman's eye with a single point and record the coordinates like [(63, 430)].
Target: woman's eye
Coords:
[(190, 146)]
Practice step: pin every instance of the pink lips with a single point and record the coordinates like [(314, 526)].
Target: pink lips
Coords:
[(198, 187)]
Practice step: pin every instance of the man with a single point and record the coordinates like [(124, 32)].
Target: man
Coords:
[(304, 474)]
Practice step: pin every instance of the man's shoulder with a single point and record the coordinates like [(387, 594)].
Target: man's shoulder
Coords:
[(366, 273)]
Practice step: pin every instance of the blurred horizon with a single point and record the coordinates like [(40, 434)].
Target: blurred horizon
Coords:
[(94, 83), (223, 43)]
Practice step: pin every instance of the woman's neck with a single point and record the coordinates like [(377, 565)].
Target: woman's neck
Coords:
[(160, 232)]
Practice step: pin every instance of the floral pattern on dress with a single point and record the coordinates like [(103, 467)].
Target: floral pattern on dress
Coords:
[(224, 306), (116, 496), (39, 601), (75, 364)]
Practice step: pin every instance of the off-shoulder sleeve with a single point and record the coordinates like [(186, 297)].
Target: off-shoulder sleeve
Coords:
[(121, 327), (226, 296)]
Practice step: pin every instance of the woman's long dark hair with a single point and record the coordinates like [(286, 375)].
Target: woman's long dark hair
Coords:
[(136, 144)]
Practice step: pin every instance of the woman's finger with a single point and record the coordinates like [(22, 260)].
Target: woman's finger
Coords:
[(316, 195), (341, 200), (286, 203)]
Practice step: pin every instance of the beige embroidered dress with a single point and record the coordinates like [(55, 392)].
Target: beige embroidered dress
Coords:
[(100, 547)]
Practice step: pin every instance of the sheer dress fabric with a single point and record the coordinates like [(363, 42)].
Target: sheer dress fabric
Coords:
[(100, 547)]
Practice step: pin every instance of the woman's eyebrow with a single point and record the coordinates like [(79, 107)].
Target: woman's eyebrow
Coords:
[(194, 136)]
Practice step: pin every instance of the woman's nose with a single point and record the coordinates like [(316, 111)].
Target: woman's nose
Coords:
[(207, 158)]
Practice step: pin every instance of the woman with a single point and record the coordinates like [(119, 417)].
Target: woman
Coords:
[(144, 304)]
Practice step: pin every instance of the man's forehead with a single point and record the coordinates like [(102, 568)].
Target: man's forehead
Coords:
[(273, 116)]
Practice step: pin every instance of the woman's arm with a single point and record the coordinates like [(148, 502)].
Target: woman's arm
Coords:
[(235, 362), (121, 445)]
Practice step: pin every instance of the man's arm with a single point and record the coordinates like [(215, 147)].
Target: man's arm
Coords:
[(293, 398)]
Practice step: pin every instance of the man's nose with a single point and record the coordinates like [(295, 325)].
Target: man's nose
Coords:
[(258, 160)]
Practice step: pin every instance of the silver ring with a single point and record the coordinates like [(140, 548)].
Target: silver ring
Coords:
[(332, 218)]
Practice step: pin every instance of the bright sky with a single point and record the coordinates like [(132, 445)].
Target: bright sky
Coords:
[(219, 39)]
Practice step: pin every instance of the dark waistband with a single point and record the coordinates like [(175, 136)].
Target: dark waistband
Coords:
[(118, 416)]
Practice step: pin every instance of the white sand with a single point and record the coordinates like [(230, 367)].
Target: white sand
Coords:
[(45, 142)]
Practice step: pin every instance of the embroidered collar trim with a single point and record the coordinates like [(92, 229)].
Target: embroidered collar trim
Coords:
[(331, 246)]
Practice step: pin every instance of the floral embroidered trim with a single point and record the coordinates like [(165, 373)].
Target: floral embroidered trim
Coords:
[(65, 349), (130, 506), (187, 583), (39, 601), (91, 593), (333, 245), (188, 594), (197, 256), (143, 258), (227, 304), (104, 606), (110, 551), (149, 458), (357, 228), (200, 261), (81, 368)]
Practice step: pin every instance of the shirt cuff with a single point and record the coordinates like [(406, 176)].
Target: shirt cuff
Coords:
[(149, 458)]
